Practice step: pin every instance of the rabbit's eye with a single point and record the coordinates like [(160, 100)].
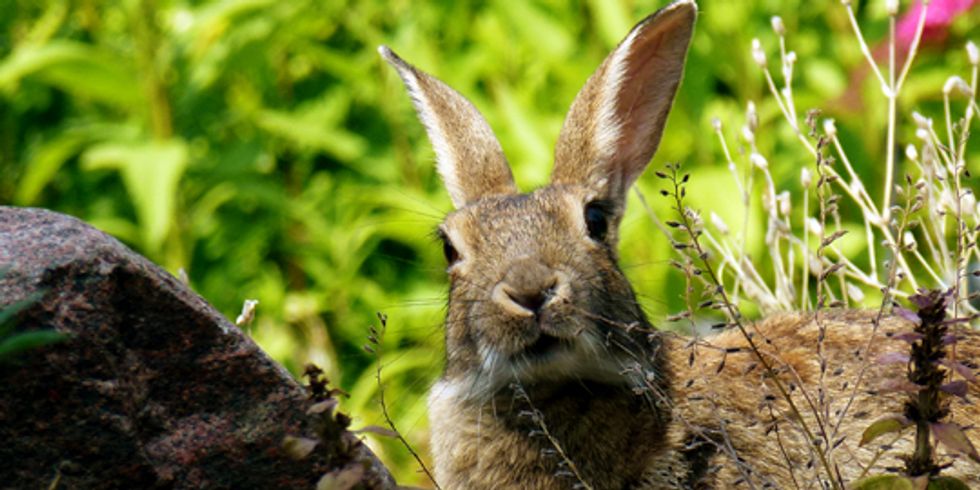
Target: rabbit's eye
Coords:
[(597, 219), (448, 250)]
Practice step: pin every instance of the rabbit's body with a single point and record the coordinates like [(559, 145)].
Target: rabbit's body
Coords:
[(618, 439), (738, 395), (553, 375)]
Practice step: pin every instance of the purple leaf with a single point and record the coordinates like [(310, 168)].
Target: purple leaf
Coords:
[(898, 384), (962, 319), (324, 406), (952, 436), (893, 358), (949, 339), (374, 429), (910, 337), (957, 388), (960, 369), (906, 314), (298, 447)]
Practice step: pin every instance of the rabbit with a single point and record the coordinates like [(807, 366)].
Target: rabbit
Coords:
[(554, 377)]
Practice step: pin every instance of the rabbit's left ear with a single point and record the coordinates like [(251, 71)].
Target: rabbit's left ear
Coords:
[(615, 123), (468, 155)]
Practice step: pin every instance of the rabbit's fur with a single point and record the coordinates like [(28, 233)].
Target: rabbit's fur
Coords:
[(554, 376)]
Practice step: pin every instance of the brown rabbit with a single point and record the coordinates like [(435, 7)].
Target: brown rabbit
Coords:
[(554, 378)]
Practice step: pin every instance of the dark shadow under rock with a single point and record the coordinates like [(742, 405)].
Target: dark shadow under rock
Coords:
[(152, 389)]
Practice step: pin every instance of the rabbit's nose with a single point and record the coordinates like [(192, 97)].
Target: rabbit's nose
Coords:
[(530, 300), (527, 288)]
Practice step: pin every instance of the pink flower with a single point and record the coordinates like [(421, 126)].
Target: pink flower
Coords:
[(939, 16)]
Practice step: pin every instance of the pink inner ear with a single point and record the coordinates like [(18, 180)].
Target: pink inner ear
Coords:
[(652, 74), (616, 121)]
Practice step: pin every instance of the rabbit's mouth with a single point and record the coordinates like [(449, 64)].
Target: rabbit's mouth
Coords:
[(545, 347)]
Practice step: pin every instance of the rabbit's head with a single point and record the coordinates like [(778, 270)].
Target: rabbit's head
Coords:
[(536, 294)]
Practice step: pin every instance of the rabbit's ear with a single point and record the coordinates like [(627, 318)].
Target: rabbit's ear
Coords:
[(615, 123), (468, 155)]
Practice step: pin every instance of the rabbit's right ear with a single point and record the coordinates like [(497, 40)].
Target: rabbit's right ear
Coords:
[(468, 155), (615, 123)]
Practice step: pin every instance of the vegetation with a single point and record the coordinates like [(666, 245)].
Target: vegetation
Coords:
[(263, 148)]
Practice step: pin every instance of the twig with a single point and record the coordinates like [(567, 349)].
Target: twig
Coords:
[(734, 315), (375, 339)]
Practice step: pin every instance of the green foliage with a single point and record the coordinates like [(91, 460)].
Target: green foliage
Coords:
[(263, 147), (896, 482), (885, 482), (887, 425), (14, 343)]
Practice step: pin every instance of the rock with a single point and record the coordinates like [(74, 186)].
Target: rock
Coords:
[(153, 387)]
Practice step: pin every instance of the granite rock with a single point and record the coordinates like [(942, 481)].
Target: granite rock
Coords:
[(153, 388)]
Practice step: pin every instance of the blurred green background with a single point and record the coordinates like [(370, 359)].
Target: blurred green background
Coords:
[(264, 148)]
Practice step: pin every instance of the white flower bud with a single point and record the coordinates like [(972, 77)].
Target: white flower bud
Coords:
[(829, 127), (855, 293), (785, 206), (946, 201), (716, 124), (719, 223), (908, 240), (891, 6), (747, 134), (759, 161), (751, 116), (955, 83), (805, 178), (778, 26), (814, 226), (758, 55), (973, 53), (922, 134), (788, 62), (816, 267), (248, 312), (921, 121), (969, 203), (911, 153)]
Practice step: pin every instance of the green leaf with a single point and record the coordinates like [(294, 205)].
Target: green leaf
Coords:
[(317, 125), (12, 309), (887, 425), (28, 340), (151, 171), (947, 483), (44, 165), (536, 28), (75, 68), (612, 20), (884, 482)]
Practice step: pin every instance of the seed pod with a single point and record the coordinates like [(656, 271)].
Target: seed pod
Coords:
[(778, 26), (758, 55)]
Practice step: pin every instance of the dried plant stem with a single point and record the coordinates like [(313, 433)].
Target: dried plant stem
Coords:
[(736, 319), (879, 452), (793, 123), (892, 94), (886, 300), (690, 302), (376, 340), (538, 419)]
